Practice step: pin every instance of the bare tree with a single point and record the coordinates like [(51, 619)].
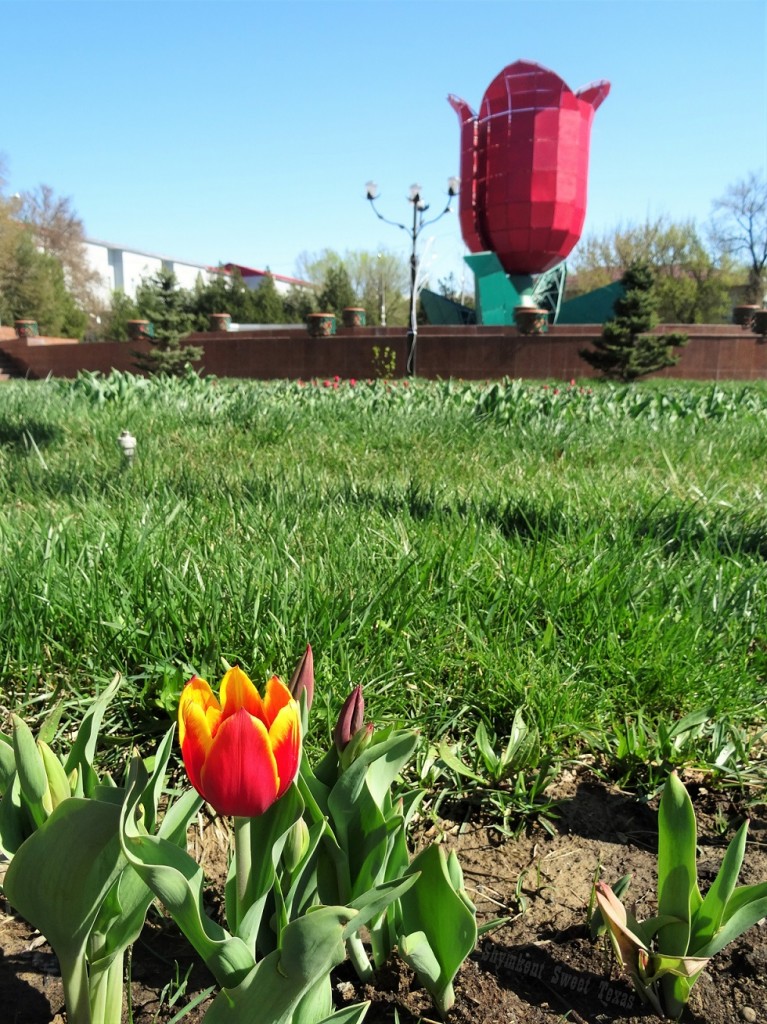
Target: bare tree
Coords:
[(59, 232), (739, 229)]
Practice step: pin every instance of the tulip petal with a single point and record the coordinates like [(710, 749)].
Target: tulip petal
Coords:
[(195, 692), (237, 691), (239, 776), (285, 740), (277, 697), (197, 740), (594, 94)]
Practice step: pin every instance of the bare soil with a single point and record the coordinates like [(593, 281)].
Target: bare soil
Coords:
[(539, 968)]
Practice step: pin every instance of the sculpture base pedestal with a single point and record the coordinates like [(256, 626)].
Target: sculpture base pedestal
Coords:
[(498, 294)]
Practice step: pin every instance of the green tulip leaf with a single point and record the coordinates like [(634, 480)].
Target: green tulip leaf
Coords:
[(124, 910), (523, 745), (7, 764), (84, 748), (487, 751), (680, 966), (708, 919), (178, 816), (375, 769), (678, 893), (31, 771), (418, 955), (108, 794), (371, 904), (436, 908), (410, 804), (150, 797), (58, 880), (747, 905), (311, 947), (456, 878), (60, 875), (374, 851), (178, 882), (349, 1015), (360, 805), (316, 1003), (313, 785), (15, 820), (675, 994)]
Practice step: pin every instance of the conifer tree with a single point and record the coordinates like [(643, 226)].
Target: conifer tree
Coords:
[(165, 305), (627, 349), (114, 320), (298, 304), (224, 293), (337, 292), (266, 304)]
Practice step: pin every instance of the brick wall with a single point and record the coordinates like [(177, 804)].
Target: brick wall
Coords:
[(714, 352)]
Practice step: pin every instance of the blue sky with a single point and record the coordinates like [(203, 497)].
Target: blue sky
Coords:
[(245, 131)]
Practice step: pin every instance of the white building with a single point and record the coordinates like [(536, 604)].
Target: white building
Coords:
[(123, 268)]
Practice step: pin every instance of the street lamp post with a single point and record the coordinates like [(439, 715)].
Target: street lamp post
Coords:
[(382, 290), (419, 209)]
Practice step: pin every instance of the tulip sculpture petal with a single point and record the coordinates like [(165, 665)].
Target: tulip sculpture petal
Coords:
[(243, 753), (524, 167)]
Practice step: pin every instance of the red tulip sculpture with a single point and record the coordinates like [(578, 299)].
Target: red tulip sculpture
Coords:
[(524, 167)]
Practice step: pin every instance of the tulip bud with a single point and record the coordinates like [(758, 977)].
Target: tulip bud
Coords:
[(296, 845), (360, 741), (350, 719), (303, 678), (58, 783)]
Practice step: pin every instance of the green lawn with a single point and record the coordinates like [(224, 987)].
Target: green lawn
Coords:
[(462, 550)]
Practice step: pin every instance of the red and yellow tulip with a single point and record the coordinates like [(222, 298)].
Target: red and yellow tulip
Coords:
[(242, 753)]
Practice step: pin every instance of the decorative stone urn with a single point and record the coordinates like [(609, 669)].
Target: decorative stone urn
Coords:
[(220, 321), (26, 328), (321, 325), (138, 329), (759, 323), (743, 315), (353, 316), (530, 319)]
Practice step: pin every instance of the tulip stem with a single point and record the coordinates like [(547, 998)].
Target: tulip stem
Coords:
[(74, 976), (359, 958), (106, 990), (242, 867)]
